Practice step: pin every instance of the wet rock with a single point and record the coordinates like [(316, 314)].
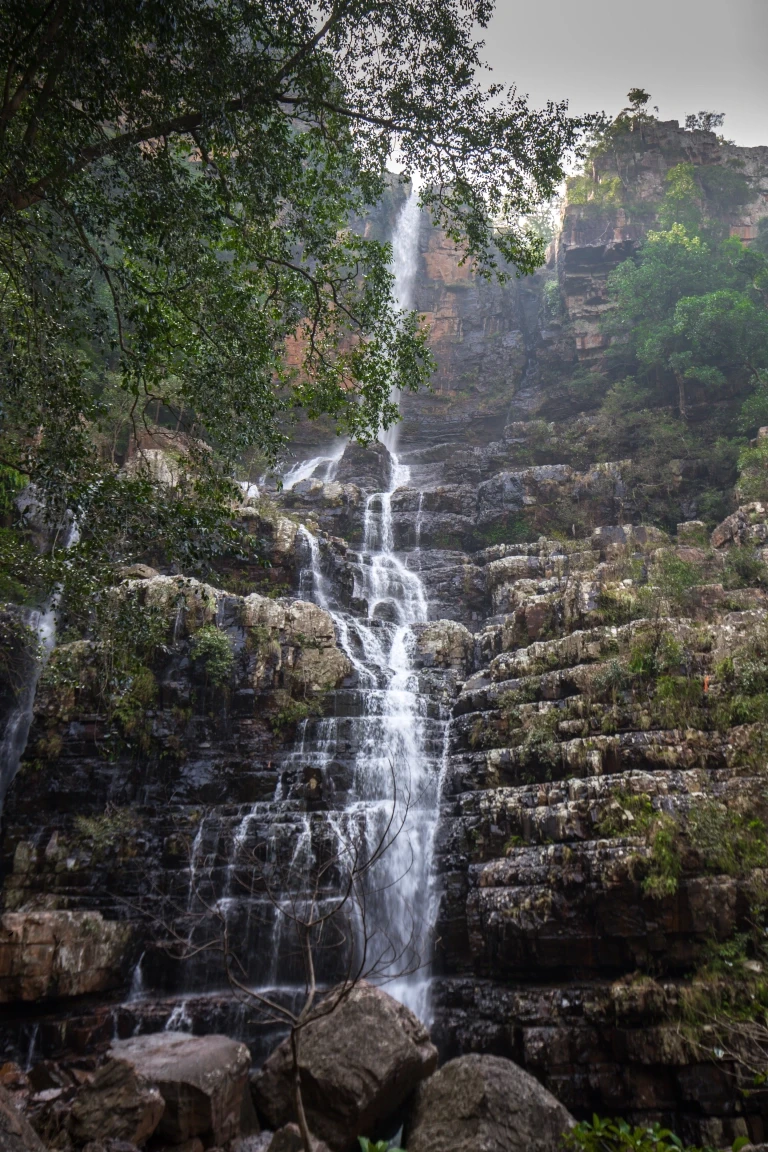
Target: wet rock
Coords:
[(16, 1133), (358, 1064), (118, 1104), (485, 1104), (369, 468), (46, 954), (201, 1079)]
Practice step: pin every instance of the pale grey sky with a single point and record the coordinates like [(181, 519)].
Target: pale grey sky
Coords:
[(689, 54)]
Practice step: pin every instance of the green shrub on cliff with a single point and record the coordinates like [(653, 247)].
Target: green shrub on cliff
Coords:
[(212, 649)]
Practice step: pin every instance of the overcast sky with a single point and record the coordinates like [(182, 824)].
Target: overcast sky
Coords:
[(689, 54)]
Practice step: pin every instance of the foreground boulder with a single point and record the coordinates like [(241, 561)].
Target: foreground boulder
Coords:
[(358, 1065), (289, 1139), (485, 1104), (118, 1104), (201, 1080), (16, 1133)]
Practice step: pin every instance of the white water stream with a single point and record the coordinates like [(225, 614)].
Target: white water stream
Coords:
[(399, 738), (386, 737)]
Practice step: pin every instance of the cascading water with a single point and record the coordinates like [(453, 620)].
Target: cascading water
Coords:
[(397, 739), (41, 623), (375, 760)]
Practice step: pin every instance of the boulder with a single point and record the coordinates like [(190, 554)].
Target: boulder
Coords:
[(118, 1104), (358, 1064), (201, 1079), (288, 1139), (485, 1104), (16, 1133), (745, 525), (45, 954)]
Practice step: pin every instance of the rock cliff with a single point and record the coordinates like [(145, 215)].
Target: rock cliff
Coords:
[(593, 693)]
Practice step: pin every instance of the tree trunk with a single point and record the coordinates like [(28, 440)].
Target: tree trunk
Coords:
[(299, 1100), (681, 396)]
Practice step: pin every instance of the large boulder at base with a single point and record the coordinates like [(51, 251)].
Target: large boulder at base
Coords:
[(118, 1104), (289, 1139), (16, 1133), (358, 1064), (485, 1104), (201, 1079)]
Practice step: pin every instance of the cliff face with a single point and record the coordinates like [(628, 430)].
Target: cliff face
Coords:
[(600, 684), (604, 223)]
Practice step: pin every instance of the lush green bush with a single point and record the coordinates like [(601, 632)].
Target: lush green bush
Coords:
[(213, 650)]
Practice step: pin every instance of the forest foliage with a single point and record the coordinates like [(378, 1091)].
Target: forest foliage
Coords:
[(179, 180)]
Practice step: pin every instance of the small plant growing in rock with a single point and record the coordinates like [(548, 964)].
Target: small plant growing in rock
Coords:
[(105, 831), (601, 1134), (367, 1145)]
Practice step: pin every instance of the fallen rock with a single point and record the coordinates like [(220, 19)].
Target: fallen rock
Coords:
[(16, 1133), (358, 1064), (118, 1104), (485, 1104), (201, 1079)]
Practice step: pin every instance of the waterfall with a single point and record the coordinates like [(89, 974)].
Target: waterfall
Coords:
[(395, 737), (405, 250), (42, 623)]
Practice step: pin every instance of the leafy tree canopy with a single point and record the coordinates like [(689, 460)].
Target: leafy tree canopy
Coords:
[(178, 181), (691, 307)]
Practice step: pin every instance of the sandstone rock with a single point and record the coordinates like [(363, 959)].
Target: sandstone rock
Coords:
[(201, 1079), (741, 526), (358, 1065), (485, 1104), (138, 572), (118, 1104), (16, 1133), (44, 954), (445, 644)]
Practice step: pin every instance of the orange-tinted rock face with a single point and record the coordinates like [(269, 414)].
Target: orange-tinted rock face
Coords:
[(596, 236), (55, 954)]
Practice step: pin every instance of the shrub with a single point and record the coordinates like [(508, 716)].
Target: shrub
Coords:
[(654, 654), (104, 831), (608, 1135), (293, 713), (213, 650), (744, 569), (679, 700), (730, 841), (665, 864), (626, 812)]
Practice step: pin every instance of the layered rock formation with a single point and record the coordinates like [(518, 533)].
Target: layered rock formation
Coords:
[(591, 691)]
